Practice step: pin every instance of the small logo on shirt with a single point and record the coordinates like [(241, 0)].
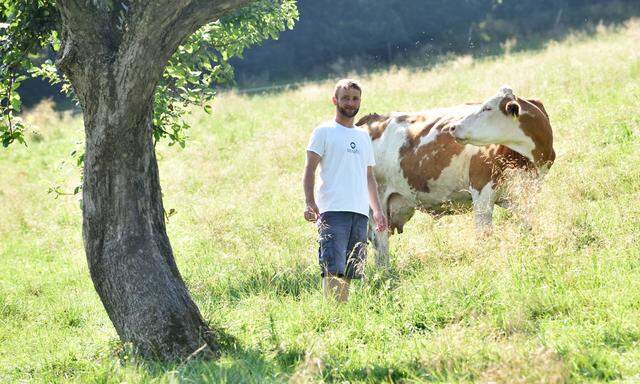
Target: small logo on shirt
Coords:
[(353, 148)]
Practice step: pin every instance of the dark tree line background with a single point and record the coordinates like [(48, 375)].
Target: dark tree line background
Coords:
[(334, 37)]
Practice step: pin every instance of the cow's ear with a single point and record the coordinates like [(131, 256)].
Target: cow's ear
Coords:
[(513, 108), (539, 104)]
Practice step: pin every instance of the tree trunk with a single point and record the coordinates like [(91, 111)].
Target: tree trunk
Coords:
[(128, 251), (114, 71)]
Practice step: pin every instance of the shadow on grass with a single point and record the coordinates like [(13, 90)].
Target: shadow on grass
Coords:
[(370, 374), (235, 364)]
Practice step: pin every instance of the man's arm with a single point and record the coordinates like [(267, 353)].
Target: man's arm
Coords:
[(311, 211), (374, 201)]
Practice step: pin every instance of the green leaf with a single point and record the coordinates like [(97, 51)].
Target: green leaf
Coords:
[(202, 62), (16, 103)]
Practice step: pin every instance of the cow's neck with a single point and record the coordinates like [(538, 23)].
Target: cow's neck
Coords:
[(544, 156), (540, 157), (523, 150), (507, 157)]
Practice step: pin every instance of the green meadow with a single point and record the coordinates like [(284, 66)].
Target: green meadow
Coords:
[(559, 302)]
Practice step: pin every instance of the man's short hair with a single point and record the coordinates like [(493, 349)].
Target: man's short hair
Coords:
[(346, 84)]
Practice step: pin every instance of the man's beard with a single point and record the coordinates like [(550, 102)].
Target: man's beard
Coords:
[(347, 113)]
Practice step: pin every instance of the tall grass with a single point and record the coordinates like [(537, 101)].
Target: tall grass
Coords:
[(556, 303)]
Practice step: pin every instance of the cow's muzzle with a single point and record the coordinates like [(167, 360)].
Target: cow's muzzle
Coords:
[(455, 131)]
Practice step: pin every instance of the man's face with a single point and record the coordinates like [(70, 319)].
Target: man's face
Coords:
[(347, 102)]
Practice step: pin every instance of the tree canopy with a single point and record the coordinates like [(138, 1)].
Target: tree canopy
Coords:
[(30, 32)]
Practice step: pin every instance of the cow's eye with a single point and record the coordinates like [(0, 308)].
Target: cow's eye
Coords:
[(486, 109)]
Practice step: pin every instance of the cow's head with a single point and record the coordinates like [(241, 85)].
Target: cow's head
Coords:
[(522, 125)]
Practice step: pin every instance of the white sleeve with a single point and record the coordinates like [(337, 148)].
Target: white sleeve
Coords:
[(317, 141), (371, 160)]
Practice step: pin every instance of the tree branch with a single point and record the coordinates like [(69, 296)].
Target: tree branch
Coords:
[(133, 52), (158, 30), (87, 38), (81, 18)]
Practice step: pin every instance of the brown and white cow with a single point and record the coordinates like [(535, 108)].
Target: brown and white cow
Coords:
[(432, 159)]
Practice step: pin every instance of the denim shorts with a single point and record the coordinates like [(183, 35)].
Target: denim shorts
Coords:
[(343, 243)]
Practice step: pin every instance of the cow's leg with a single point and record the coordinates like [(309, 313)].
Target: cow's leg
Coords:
[(518, 195), (483, 201), (522, 214), (379, 240), (381, 248)]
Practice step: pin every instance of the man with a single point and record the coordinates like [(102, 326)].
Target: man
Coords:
[(347, 188)]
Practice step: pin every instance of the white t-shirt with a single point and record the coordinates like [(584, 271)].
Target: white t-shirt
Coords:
[(346, 153)]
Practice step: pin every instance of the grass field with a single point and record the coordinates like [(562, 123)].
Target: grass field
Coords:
[(559, 303)]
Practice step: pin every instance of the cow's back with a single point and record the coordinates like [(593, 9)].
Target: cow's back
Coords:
[(416, 159)]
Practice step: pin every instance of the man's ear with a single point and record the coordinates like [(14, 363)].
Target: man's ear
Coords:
[(334, 100), (513, 108)]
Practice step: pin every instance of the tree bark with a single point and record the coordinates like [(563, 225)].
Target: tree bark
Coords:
[(114, 75), (129, 254)]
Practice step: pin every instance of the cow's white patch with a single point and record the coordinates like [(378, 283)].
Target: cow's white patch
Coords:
[(426, 139)]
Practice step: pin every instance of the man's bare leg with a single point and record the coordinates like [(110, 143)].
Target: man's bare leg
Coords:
[(336, 287)]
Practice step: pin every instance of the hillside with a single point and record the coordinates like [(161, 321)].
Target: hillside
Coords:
[(554, 304)]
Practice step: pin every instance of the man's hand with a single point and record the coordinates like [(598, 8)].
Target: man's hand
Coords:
[(381, 221), (312, 212)]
